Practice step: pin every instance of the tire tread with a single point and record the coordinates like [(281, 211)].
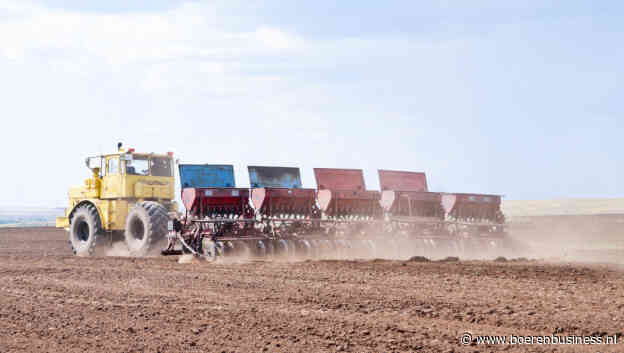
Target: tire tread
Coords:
[(94, 215), (156, 227)]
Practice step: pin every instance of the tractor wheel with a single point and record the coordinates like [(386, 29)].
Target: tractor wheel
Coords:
[(146, 227), (84, 230)]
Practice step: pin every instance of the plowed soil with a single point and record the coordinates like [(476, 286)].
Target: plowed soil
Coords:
[(53, 301)]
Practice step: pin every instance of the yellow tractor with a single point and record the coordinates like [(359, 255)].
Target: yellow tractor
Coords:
[(130, 196)]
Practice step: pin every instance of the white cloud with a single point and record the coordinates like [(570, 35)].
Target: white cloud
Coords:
[(276, 39), (245, 97), (77, 82), (126, 38), (221, 87)]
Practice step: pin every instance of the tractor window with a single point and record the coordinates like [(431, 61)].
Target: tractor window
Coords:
[(161, 167), (137, 166), (113, 166)]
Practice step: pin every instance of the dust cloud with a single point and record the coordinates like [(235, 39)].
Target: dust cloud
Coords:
[(118, 249), (559, 239), (596, 238)]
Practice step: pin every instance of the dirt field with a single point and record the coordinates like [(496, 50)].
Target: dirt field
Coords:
[(52, 301)]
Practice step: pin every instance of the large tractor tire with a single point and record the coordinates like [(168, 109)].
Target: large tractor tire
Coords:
[(146, 228), (84, 230)]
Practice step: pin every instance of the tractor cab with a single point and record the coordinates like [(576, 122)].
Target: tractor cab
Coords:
[(129, 175)]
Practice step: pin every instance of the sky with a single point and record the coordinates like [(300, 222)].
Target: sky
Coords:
[(521, 98)]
